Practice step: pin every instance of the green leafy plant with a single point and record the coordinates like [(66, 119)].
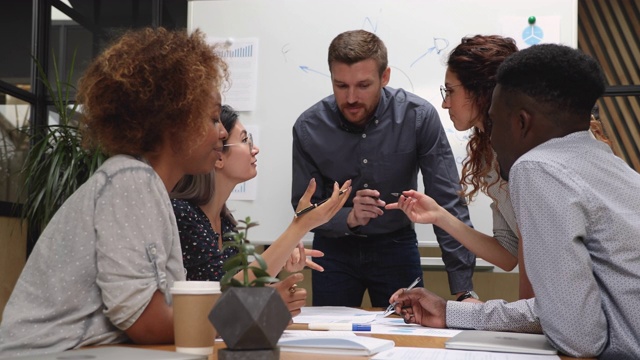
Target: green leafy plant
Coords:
[(240, 262), (56, 164)]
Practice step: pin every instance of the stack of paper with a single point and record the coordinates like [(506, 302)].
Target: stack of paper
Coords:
[(347, 345), (501, 342)]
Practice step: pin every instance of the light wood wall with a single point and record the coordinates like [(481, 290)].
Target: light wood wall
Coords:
[(489, 285), (609, 30), (13, 242)]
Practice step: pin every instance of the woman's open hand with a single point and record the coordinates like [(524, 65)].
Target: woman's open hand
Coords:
[(300, 257), (326, 210)]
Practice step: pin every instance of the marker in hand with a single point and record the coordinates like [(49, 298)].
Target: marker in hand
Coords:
[(313, 206), (394, 194)]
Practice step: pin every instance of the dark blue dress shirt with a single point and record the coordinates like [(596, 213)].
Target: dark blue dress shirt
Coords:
[(404, 136)]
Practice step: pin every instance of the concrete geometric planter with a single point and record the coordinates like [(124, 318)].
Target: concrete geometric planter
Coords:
[(250, 318)]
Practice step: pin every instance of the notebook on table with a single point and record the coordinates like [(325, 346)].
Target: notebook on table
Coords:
[(347, 345), (113, 353), (501, 342)]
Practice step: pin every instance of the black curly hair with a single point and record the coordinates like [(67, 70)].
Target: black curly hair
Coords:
[(563, 78)]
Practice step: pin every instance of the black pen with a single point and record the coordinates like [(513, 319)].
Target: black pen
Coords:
[(394, 194), (313, 206)]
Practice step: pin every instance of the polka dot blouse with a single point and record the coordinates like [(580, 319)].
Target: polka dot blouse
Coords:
[(201, 253)]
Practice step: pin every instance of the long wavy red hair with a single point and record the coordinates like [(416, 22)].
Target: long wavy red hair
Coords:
[(475, 62)]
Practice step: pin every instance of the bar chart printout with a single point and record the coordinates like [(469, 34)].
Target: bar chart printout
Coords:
[(241, 55)]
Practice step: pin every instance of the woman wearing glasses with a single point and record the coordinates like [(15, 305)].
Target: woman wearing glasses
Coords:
[(466, 94), (199, 203)]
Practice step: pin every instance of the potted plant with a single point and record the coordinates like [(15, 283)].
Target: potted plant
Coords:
[(56, 163), (249, 317)]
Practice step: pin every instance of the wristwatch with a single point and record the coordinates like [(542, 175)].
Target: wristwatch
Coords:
[(467, 295)]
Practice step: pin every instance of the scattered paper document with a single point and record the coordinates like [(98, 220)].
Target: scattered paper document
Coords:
[(347, 345), (412, 353), (379, 324), (334, 310), (311, 333), (329, 314), (500, 341)]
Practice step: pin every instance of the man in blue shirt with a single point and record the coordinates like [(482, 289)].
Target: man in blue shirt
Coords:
[(380, 138)]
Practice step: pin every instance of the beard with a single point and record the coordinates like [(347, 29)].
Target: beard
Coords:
[(357, 114)]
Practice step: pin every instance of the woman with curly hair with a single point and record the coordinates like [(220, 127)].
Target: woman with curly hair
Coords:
[(466, 94), (101, 270), (469, 82)]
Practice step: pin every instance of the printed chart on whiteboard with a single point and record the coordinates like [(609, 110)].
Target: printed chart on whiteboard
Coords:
[(241, 55)]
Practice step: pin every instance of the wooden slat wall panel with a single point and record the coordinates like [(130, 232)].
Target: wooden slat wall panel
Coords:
[(609, 30)]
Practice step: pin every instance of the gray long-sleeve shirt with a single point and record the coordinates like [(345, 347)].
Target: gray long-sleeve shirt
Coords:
[(97, 264), (578, 209), (404, 137)]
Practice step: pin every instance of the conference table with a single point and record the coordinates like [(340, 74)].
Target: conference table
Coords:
[(400, 340)]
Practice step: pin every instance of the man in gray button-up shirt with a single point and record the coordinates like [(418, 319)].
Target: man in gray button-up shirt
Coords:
[(380, 138), (576, 204)]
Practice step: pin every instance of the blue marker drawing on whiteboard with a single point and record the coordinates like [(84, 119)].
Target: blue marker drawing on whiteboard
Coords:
[(309, 70), (373, 27), (407, 76), (284, 50), (439, 44), (461, 136), (367, 20)]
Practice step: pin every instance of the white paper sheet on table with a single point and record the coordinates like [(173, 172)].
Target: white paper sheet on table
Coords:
[(379, 324), (329, 314), (312, 333), (411, 353), (334, 310)]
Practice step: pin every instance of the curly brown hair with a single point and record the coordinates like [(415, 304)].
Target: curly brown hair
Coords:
[(475, 62), (148, 83)]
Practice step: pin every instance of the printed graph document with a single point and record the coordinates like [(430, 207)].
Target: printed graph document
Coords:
[(412, 353), (379, 325), (241, 55), (501, 342), (335, 345), (396, 326), (329, 314)]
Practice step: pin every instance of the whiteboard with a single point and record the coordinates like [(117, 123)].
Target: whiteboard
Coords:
[(293, 37)]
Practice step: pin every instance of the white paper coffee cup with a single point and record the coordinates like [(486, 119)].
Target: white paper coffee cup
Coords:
[(192, 302)]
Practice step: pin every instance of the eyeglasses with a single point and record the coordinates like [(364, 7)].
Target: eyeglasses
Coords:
[(446, 92), (248, 140)]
